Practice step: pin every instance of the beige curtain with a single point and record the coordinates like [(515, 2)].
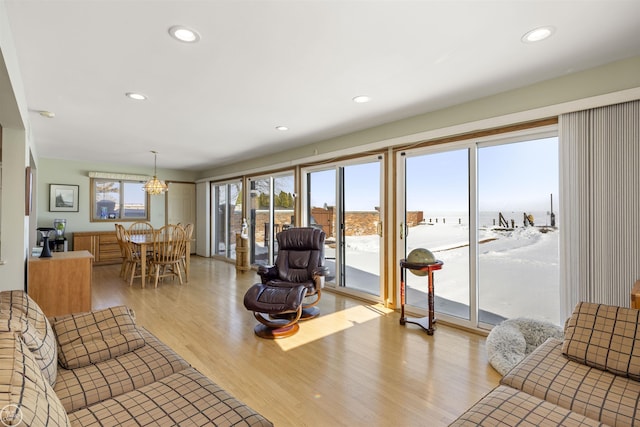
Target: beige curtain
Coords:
[(600, 204)]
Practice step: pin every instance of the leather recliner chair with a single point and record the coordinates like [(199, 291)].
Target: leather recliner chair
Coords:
[(289, 290)]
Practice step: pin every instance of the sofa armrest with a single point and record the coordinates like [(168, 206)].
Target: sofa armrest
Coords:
[(635, 295)]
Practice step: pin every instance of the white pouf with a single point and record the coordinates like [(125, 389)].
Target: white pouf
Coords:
[(510, 341)]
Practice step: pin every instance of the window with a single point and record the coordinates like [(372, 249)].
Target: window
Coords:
[(118, 200)]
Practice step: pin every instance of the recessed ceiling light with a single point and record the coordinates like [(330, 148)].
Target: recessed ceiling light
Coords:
[(282, 128), (136, 96), (184, 34), (538, 34), (361, 99)]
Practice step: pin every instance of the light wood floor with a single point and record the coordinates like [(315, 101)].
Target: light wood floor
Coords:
[(355, 365)]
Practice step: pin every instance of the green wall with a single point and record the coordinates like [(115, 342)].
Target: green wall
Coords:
[(55, 171)]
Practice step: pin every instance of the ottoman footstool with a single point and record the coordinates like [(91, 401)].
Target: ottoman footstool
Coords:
[(277, 308)]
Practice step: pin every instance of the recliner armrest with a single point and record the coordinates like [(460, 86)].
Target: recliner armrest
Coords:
[(318, 276), (267, 272), (321, 271)]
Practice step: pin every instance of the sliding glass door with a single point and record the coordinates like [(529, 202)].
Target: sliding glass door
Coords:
[(518, 231), (272, 209), (227, 217), (437, 218), (486, 209), (345, 200)]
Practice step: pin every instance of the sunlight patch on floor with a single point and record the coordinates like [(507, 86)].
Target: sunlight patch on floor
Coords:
[(327, 324)]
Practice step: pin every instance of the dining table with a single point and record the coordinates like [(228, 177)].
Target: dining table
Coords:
[(144, 242)]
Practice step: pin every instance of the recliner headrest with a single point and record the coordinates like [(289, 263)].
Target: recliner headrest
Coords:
[(301, 238)]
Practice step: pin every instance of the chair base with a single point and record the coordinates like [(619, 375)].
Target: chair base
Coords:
[(264, 331), (309, 313)]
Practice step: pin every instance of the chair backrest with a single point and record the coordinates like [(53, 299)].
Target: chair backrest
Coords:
[(124, 240), (120, 238), (141, 227), (119, 232), (170, 244), (188, 229), (300, 252)]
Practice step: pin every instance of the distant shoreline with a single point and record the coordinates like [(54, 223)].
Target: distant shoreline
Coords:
[(486, 218)]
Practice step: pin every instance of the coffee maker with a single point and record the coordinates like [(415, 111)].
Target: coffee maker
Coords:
[(60, 241)]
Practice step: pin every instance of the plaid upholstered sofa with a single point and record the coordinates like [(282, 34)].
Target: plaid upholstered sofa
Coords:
[(100, 368), (589, 378)]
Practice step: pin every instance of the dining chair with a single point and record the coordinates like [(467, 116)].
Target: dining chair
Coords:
[(169, 247), (141, 227), (188, 231), (133, 268), (120, 237)]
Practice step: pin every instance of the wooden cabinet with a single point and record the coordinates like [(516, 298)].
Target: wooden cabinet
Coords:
[(61, 284), (103, 245)]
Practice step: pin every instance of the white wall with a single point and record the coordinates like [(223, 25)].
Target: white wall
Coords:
[(16, 154), (15, 225)]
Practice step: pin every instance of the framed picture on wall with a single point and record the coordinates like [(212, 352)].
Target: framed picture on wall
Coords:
[(63, 198)]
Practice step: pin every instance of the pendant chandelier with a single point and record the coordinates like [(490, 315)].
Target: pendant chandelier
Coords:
[(155, 186)]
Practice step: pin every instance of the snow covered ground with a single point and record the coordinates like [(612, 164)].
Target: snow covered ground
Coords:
[(518, 271)]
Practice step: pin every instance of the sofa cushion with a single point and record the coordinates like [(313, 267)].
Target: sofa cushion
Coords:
[(184, 398), (547, 374), (89, 384), (604, 337), (87, 338), (26, 397), (506, 406), (19, 313)]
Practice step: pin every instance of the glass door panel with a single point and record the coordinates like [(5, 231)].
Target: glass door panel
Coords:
[(220, 215), (360, 220), (260, 220), (345, 202), (272, 209), (437, 219), (518, 248), (283, 208), (234, 213), (321, 213), (227, 218)]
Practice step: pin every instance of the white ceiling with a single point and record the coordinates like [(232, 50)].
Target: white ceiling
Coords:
[(297, 63)]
